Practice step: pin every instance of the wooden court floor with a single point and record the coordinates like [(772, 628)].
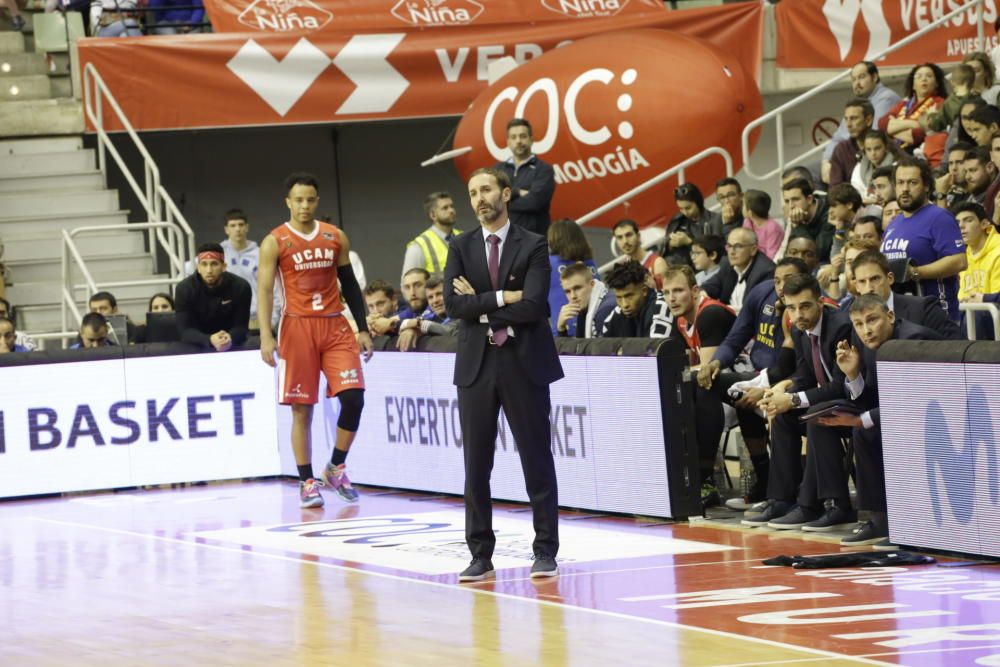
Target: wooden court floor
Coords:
[(237, 574)]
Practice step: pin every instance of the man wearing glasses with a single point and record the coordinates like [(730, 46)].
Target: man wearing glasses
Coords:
[(742, 269)]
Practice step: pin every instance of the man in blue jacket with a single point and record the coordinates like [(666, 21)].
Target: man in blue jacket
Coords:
[(533, 182)]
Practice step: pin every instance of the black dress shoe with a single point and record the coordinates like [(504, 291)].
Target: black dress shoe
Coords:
[(479, 569), (544, 566)]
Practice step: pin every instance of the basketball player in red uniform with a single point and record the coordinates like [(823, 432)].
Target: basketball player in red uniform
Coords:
[(308, 257)]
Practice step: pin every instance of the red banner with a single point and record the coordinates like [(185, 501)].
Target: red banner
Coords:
[(227, 80), (835, 34), (299, 16)]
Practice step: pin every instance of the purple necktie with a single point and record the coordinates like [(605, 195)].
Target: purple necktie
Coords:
[(817, 362), (500, 335)]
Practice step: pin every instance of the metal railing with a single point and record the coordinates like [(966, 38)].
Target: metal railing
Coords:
[(158, 204), (169, 232), (970, 310), (778, 114)]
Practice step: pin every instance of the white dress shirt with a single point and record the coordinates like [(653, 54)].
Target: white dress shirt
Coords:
[(502, 234), (740, 291)]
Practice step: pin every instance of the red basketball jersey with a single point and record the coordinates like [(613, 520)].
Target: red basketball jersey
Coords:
[(307, 268)]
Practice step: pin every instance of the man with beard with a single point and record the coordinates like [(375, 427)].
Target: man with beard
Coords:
[(858, 117), (629, 242), (926, 237), (213, 305), (759, 321), (496, 284), (429, 250), (952, 183), (866, 84), (980, 173), (533, 182)]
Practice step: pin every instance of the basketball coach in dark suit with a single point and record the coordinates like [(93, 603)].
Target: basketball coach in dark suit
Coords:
[(496, 284)]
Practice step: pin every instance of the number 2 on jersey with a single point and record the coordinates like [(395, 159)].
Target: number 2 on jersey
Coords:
[(317, 301)]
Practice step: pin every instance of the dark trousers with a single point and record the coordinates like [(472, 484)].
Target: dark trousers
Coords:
[(709, 422), (870, 469), (824, 476), (501, 383), (752, 425)]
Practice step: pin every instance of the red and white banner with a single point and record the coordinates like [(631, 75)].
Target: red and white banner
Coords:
[(835, 34), (228, 80), (609, 116), (298, 16)]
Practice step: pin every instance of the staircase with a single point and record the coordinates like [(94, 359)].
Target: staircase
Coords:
[(35, 88), (48, 185)]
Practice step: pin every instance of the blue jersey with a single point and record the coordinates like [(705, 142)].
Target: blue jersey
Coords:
[(759, 322), (557, 298), (928, 235)]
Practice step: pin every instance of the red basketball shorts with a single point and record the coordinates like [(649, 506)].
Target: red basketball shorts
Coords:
[(308, 345)]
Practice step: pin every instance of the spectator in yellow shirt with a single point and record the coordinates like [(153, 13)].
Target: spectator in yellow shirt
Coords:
[(982, 248)]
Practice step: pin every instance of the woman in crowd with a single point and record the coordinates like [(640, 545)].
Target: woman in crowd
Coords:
[(692, 220), (925, 94), (567, 245)]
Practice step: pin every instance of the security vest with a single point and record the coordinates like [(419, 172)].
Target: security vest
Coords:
[(435, 249)]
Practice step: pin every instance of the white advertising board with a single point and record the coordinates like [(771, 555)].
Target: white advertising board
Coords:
[(607, 433), (150, 420)]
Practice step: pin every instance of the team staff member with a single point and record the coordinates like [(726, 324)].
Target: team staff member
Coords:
[(213, 305), (496, 284), (309, 257), (429, 250), (533, 182)]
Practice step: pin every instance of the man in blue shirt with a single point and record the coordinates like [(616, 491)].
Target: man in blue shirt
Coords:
[(93, 332), (926, 237), (758, 321)]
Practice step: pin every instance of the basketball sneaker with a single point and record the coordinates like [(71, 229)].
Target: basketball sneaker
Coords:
[(309, 495), (336, 478)]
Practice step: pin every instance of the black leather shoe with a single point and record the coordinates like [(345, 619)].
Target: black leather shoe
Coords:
[(544, 566), (479, 569)]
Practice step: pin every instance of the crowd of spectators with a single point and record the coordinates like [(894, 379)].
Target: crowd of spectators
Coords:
[(778, 315)]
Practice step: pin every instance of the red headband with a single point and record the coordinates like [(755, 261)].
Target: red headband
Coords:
[(211, 254)]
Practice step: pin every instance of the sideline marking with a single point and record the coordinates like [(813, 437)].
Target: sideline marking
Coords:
[(479, 591)]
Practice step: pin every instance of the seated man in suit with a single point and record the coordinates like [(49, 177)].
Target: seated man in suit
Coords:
[(874, 324), (641, 312), (817, 331), (871, 275), (742, 269)]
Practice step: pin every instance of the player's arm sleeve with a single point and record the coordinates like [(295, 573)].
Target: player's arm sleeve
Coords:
[(190, 333), (351, 290), (241, 312), (740, 333)]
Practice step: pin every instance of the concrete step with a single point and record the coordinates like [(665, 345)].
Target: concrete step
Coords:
[(30, 87), (56, 182), (112, 243), (16, 205), (50, 291), (61, 85), (11, 42), (41, 145), (44, 163), (48, 317), (29, 20), (42, 227), (22, 64), (27, 118), (101, 268)]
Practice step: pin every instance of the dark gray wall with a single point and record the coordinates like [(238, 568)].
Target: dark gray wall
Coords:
[(381, 183)]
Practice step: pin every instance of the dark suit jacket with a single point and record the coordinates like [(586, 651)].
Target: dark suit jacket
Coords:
[(524, 265), (721, 285), (836, 327), (926, 311), (532, 210), (903, 330)]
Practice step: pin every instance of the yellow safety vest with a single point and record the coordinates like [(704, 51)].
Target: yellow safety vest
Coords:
[(435, 249)]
